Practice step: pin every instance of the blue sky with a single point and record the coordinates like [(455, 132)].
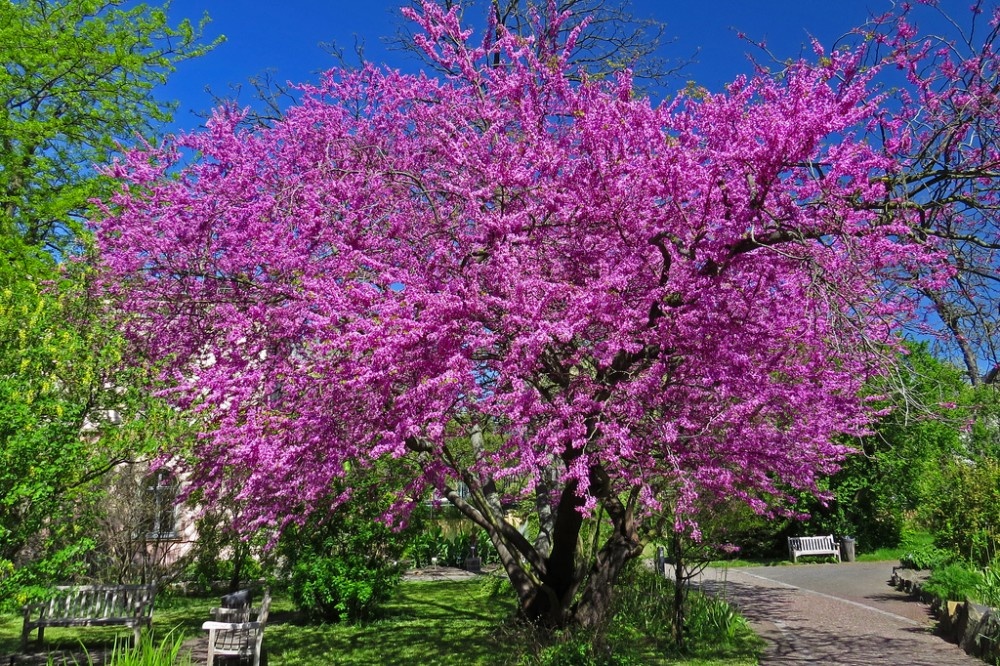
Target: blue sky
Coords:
[(285, 37)]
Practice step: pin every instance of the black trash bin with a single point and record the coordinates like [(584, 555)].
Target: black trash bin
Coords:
[(846, 549), (236, 599)]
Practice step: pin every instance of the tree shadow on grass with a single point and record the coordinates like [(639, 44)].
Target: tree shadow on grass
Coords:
[(434, 622)]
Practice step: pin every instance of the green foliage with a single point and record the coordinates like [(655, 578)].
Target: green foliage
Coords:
[(926, 556), (642, 610), (64, 388), (32, 581), (640, 630), (346, 586), (448, 547), (642, 613), (954, 582), (983, 436), (988, 591), (344, 565), (53, 408), (964, 513), (78, 78), (893, 473), (711, 620), (756, 536)]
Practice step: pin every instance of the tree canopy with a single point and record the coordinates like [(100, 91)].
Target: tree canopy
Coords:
[(640, 305), (939, 127), (78, 77)]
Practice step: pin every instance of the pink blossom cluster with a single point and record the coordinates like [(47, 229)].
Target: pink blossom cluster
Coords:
[(688, 297)]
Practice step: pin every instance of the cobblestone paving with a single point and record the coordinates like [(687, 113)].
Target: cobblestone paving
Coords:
[(845, 614)]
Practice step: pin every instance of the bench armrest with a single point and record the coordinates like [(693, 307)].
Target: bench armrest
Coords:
[(230, 626), (220, 613)]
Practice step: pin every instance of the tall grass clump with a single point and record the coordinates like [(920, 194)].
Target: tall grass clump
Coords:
[(988, 591), (147, 652), (954, 582)]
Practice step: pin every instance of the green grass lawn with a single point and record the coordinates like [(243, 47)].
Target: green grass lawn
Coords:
[(426, 623)]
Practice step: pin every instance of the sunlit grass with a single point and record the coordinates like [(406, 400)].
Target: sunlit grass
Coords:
[(426, 623)]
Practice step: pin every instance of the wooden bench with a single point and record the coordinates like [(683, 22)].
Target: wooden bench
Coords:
[(91, 606), (813, 545), (237, 630)]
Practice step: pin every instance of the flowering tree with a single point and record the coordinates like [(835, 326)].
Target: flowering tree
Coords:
[(940, 128), (544, 289)]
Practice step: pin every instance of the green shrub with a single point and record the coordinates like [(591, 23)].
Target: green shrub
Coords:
[(346, 586), (926, 557), (965, 514), (343, 564), (954, 582)]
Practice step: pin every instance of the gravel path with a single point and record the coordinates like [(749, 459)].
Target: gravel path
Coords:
[(837, 614)]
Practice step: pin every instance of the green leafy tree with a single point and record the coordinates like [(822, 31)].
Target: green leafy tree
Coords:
[(78, 79), (897, 468)]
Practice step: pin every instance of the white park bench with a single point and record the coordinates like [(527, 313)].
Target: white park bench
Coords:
[(238, 631), (813, 545), (91, 606)]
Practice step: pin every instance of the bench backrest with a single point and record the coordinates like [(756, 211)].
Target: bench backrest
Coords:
[(246, 639), (802, 544), (100, 601)]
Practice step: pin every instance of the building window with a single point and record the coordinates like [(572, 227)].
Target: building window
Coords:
[(160, 504)]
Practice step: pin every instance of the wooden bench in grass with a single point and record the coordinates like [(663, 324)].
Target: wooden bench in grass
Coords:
[(238, 628), (91, 606), (813, 545)]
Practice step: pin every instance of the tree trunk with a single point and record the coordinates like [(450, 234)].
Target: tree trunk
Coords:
[(680, 589), (595, 602), (555, 588), (557, 605)]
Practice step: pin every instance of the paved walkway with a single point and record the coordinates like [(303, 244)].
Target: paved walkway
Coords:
[(835, 614)]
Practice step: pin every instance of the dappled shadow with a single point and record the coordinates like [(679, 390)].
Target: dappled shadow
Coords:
[(419, 642), (807, 629), (63, 646), (905, 646), (454, 612)]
